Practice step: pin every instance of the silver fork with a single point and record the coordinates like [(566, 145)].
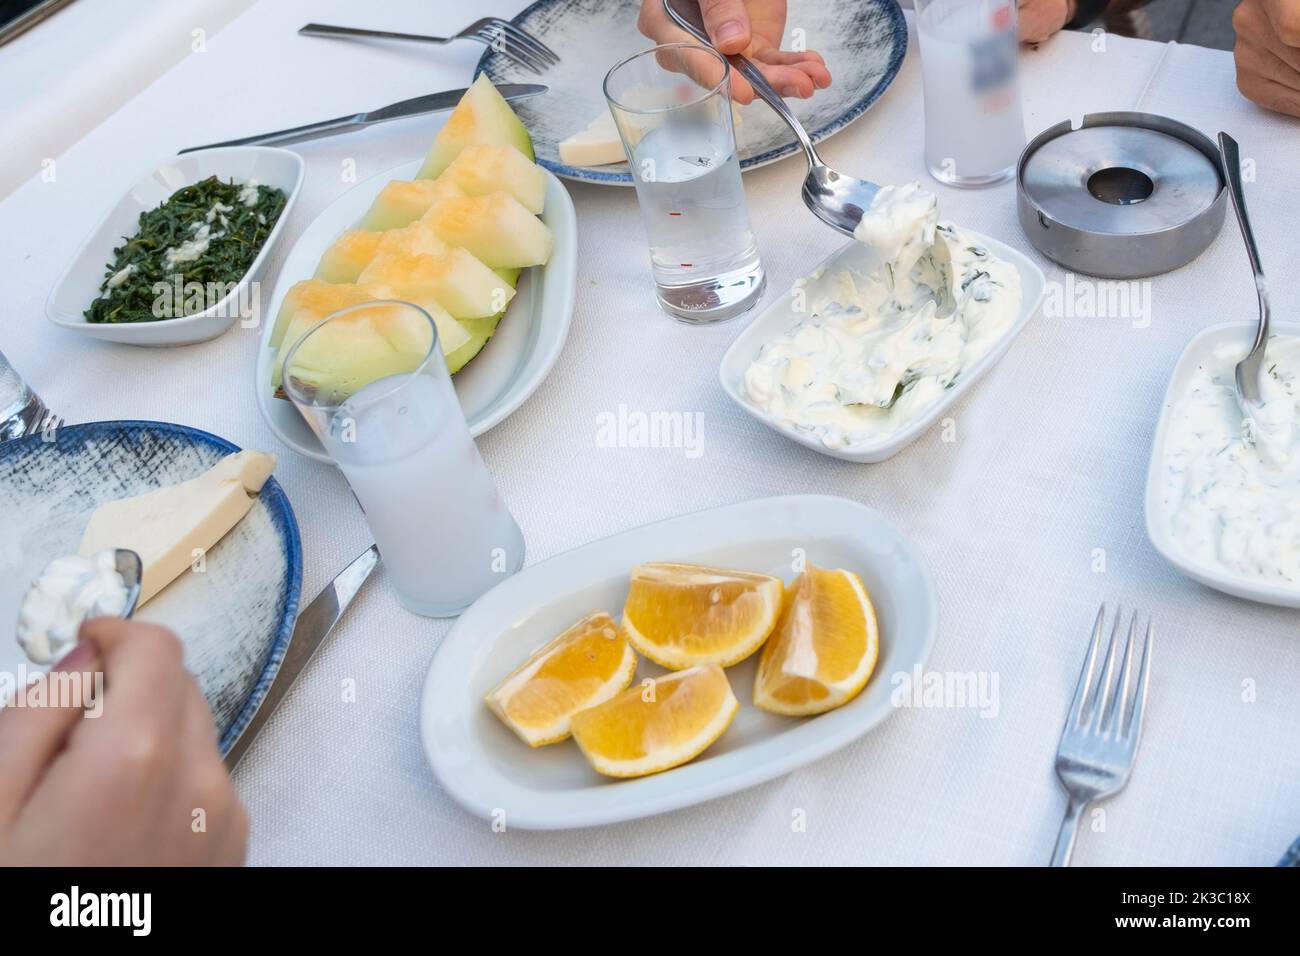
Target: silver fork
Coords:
[(510, 41), (1099, 742)]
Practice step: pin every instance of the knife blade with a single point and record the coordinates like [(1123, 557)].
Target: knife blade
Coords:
[(430, 103), (315, 623)]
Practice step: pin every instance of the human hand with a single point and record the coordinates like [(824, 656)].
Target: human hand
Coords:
[(753, 28), (1268, 53), (1039, 19), (140, 784)]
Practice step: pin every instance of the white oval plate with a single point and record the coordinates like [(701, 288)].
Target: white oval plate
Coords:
[(490, 771), (501, 377), (779, 316), (80, 282), (1221, 579)]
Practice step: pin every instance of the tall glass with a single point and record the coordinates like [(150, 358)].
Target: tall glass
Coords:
[(372, 383), (672, 106), (20, 410), (974, 123)]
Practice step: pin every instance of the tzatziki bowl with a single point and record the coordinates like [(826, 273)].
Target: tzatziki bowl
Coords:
[(1218, 508), (858, 260)]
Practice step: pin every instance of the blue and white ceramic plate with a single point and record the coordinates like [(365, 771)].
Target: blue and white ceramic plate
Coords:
[(235, 618), (863, 42)]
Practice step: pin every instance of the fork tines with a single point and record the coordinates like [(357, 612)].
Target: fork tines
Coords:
[(1106, 704), (514, 44)]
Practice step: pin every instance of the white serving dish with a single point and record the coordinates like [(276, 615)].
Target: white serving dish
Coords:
[(1211, 575), (778, 318), (489, 771), (512, 364), (80, 282)]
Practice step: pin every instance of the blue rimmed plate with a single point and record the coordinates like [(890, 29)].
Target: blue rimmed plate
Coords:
[(863, 42), (235, 618)]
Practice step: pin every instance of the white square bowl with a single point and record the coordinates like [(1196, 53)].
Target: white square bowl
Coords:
[(1221, 579), (80, 282), (778, 317)]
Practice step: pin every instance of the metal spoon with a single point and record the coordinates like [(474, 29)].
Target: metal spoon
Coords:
[(836, 199), (1249, 369)]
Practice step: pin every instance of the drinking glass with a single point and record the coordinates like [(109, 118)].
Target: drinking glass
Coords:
[(371, 382), (21, 411), (974, 123), (672, 107)]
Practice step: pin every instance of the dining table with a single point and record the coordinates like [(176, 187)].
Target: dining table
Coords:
[(1025, 503)]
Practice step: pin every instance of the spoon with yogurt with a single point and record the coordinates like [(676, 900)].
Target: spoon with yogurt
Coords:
[(836, 199), (70, 590)]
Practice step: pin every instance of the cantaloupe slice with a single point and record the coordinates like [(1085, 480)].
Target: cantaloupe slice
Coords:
[(496, 229), (416, 239), (314, 300), (461, 284), (402, 202), (481, 118), (348, 255), (317, 296), (480, 170), (368, 344)]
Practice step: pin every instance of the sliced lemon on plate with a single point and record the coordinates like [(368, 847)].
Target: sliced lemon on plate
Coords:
[(824, 648), (681, 615), (662, 722), (585, 666)]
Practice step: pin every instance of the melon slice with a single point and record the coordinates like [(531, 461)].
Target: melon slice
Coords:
[(496, 229), (348, 255), (480, 170), (459, 283), (318, 297), (481, 118), (364, 346), (480, 331), (416, 239), (403, 201), (318, 300)]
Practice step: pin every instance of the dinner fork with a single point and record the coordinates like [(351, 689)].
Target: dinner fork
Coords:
[(512, 42), (1100, 738)]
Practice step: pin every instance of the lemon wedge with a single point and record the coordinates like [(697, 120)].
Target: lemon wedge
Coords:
[(681, 615), (661, 723), (824, 648), (585, 666)]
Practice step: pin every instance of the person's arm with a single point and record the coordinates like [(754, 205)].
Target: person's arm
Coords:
[(133, 780), (1268, 53), (753, 28)]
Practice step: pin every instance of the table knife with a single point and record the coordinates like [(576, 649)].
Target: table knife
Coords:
[(432, 103), (314, 624)]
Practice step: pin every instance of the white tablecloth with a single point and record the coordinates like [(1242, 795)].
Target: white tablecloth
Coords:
[(1048, 466)]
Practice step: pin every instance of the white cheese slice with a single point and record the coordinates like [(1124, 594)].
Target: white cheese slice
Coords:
[(168, 526), (599, 143)]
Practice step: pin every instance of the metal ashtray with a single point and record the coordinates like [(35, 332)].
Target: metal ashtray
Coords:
[(1123, 196)]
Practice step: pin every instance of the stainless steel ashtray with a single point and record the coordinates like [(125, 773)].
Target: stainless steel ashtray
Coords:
[(1123, 196)]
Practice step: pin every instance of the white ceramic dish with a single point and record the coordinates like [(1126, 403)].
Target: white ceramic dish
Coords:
[(80, 282), (512, 364), (1219, 578), (778, 317), (489, 771)]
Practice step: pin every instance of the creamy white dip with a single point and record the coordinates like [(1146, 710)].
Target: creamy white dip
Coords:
[(878, 350), (70, 590), (1231, 486)]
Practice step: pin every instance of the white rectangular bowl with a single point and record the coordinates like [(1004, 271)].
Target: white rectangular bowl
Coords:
[(1221, 579), (80, 282), (779, 317), (500, 378), (489, 771)]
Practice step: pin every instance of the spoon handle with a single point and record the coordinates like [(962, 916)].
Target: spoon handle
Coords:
[(1232, 170), (686, 14)]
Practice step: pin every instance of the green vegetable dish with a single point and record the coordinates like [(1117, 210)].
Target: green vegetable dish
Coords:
[(188, 253)]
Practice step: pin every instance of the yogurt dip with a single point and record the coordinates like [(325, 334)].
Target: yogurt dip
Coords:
[(70, 590), (878, 349), (1230, 488)]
